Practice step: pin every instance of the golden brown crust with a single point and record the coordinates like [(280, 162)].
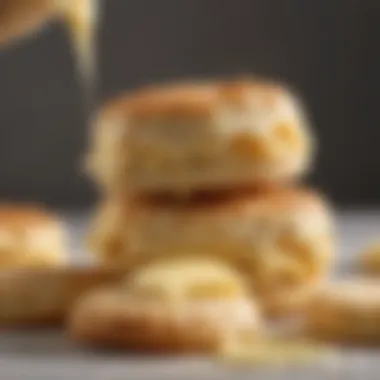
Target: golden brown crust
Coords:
[(191, 99), (44, 297)]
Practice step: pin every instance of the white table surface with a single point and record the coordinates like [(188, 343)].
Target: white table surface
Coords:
[(49, 355)]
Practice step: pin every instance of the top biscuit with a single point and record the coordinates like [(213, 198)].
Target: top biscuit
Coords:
[(201, 135)]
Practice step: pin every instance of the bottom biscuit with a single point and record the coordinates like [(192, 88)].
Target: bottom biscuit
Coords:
[(115, 319), (187, 304)]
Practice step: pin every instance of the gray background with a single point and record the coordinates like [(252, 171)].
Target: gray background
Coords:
[(326, 49)]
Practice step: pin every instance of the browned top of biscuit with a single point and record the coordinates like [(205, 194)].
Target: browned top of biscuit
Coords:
[(191, 99), (20, 215)]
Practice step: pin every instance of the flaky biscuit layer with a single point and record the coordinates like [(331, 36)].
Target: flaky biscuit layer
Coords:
[(279, 239), (200, 135)]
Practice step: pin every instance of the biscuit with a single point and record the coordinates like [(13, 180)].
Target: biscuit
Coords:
[(200, 135), (21, 17), (42, 297), (156, 319), (280, 239), (346, 311), (30, 237)]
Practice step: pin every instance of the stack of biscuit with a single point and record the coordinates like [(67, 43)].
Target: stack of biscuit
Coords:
[(212, 169)]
